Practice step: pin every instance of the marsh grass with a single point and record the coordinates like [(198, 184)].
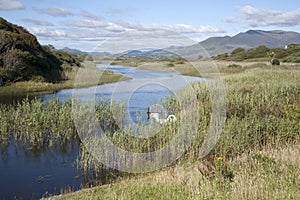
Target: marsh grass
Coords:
[(262, 107), (36, 125)]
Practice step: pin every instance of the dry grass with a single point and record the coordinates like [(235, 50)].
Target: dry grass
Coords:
[(256, 176)]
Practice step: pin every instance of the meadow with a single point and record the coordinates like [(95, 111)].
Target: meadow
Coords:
[(256, 157)]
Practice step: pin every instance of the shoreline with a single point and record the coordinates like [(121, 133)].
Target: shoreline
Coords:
[(32, 88)]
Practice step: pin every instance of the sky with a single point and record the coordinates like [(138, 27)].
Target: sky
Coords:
[(89, 24)]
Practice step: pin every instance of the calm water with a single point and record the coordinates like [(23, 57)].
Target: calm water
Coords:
[(31, 175), (27, 175), (143, 90)]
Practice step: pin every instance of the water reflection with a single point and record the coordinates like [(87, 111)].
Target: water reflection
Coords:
[(30, 174)]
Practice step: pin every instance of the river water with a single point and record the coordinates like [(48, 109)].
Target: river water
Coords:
[(28, 175)]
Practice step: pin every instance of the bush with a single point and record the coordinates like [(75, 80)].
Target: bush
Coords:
[(170, 65), (275, 62), (234, 66), (237, 50), (38, 78)]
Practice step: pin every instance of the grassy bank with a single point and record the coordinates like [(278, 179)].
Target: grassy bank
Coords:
[(264, 174), (37, 87), (256, 157)]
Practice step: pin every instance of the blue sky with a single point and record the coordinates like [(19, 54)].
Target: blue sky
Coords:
[(84, 24)]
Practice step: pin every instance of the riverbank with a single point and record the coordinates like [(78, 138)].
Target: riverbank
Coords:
[(198, 68), (256, 157), (39, 88), (266, 174)]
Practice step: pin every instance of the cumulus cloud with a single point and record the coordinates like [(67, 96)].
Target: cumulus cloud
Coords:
[(121, 35), (179, 28), (115, 27), (211, 29), (86, 23), (55, 12), (46, 33), (95, 26), (11, 5), (267, 17), (38, 22)]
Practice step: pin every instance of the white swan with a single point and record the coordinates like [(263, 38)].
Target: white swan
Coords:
[(155, 115)]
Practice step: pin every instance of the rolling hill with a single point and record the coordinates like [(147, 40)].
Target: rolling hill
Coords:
[(23, 58)]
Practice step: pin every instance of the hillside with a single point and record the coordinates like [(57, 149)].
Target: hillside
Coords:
[(250, 39), (262, 53), (22, 57)]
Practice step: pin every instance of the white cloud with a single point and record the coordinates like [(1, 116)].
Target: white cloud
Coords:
[(38, 22), (122, 35), (55, 12), (86, 23), (254, 17), (11, 5), (122, 26), (48, 34), (114, 27), (211, 29), (89, 15), (179, 28)]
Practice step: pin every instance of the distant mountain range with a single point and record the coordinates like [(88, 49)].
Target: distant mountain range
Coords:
[(250, 39), (73, 51), (211, 46)]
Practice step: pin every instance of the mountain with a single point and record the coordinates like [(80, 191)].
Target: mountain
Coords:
[(73, 51), (250, 39), (147, 54), (217, 45), (22, 57)]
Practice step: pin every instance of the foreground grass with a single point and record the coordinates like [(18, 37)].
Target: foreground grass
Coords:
[(38, 88), (265, 174)]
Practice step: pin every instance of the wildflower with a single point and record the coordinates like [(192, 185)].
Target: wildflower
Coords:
[(219, 158)]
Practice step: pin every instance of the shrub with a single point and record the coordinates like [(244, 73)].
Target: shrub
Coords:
[(170, 65), (234, 66), (38, 78), (275, 62), (237, 50)]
